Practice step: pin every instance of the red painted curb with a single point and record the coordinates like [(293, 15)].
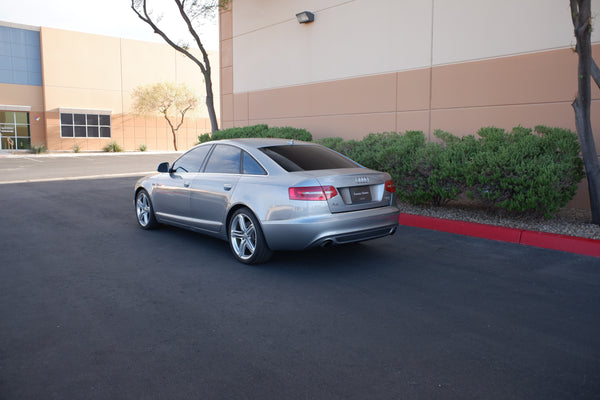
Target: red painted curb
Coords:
[(572, 244), (588, 247)]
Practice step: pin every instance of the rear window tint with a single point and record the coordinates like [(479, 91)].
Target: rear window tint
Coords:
[(307, 158)]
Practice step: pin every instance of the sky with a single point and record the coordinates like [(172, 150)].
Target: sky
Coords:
[(106, 17)]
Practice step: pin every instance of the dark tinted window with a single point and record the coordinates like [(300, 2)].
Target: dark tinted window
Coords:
[(92, 131), (79, 119), (80, 131), (66, 131), (92, 119), (192, 160), (85, 125), (225, 160), (104, 119), (66, 119), (251, 166), (307, 158)]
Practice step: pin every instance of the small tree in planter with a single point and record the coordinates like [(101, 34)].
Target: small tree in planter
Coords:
[(170, 100)]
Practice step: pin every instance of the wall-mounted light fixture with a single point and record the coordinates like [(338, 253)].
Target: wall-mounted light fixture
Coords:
[(305, 17)]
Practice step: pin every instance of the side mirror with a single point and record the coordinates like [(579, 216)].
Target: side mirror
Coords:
[(163, 167)]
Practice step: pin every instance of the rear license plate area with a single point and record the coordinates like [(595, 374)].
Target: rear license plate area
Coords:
[(360, 194)]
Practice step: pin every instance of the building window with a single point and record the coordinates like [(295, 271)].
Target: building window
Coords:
[(14, 130), (84, 125)]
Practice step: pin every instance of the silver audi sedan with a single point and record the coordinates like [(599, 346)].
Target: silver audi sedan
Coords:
[(263, 195)]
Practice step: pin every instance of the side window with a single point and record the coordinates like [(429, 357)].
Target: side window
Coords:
[(250, 166), (192, 160), (224, 160)]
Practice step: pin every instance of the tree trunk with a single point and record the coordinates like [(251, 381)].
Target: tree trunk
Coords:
[(210, 106), (581, 14), (173, 130)]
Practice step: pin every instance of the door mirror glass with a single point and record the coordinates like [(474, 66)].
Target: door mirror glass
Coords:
[(163, 167)]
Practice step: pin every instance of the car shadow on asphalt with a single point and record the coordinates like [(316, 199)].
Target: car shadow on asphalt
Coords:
[(347, 257)]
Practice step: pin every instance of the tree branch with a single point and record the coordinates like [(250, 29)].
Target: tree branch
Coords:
[(193, 10), (574, 11), (595, 71), (188, 22), (183, 116), (146, 18)]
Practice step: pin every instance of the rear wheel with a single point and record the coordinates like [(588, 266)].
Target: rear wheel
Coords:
[(144, 210), (246, 239)]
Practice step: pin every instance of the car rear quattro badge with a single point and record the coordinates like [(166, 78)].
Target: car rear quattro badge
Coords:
[(362, 180)]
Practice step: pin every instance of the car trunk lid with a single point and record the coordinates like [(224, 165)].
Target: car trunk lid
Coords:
[(357, 188)]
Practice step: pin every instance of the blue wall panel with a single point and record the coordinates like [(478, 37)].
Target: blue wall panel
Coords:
[(21, 57)]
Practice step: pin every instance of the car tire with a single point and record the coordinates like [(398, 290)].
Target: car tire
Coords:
[(144, 211), (246, 239)]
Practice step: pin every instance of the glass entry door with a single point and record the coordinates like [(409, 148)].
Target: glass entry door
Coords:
[(14, 130)]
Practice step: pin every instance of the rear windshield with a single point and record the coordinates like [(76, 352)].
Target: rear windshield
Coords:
[(307, 158)]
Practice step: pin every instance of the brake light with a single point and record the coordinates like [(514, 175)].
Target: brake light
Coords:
[(312, 193), (390, 187)]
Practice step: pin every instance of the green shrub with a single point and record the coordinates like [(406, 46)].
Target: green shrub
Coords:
[(423, 172), (341, 146), (333, 143), (143, 147), (418, 168), (253, 131), (525, 172), (259, 131), (39, 148), (519, 171), (205, 137), (287, 132), (76, 148), (113, 147)]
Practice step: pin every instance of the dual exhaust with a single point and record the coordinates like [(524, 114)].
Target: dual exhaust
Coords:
[(332, 242)]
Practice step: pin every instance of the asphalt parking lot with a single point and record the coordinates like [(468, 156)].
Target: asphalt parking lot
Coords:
[(92, 307), (72, 166)]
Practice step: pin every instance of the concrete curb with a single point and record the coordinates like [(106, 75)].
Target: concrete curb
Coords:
[(572, 244)]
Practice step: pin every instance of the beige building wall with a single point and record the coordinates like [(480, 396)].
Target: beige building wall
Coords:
[(393, 65), (92, 72), (28, 96)]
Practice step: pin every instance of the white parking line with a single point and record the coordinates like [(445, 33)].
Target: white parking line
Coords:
[(77, 178)]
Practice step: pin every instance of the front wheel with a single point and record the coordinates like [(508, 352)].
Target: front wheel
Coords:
[(246, 239), (144, 210)]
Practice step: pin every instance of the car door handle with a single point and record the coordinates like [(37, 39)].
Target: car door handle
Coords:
[(227, 187), (186, 184)]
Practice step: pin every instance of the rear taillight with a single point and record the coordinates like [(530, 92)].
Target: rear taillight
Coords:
[(312, 193), (390, 187)]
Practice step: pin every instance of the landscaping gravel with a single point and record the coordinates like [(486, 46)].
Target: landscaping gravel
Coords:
[(572, 222)]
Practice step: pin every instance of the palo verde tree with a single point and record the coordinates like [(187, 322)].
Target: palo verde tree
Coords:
[(170, 100), (581, 15), (191, 11)]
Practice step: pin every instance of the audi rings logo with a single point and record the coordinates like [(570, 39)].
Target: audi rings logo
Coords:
[(362, 180)]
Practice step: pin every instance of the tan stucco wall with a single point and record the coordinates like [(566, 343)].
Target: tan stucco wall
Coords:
[(351, 72), (30, 96), (460, 98), (85, 71)]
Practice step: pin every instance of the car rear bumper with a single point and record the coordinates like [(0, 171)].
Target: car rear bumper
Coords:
[(331, 229)]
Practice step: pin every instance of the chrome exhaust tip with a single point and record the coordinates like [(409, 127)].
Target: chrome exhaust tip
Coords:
[(326, 243)]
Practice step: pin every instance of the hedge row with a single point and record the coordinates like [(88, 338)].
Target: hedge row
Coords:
[(520, 170), (258, 131)]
